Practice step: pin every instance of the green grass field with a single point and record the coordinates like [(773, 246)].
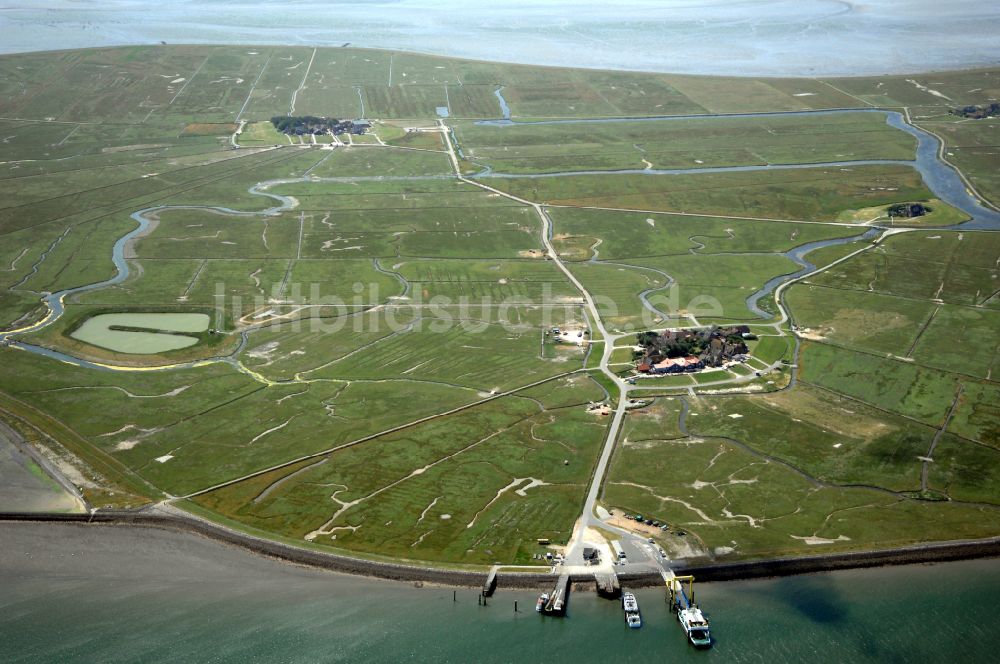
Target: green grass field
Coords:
[(800, 194), (382, 377), (679, 144)]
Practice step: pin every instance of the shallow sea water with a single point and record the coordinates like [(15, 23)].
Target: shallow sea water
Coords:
[(72, 593), (752, 37)]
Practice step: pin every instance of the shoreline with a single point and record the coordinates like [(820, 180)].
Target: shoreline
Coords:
[(972, 67), (933, 552)]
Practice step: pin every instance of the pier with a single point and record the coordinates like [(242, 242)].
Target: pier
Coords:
[(491, 582), (679, 598), (608, 584), (557, 600)]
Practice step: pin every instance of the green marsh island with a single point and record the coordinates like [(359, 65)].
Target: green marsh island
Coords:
[(458, 314)]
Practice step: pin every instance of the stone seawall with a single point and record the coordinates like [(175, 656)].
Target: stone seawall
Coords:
[(926, 553)]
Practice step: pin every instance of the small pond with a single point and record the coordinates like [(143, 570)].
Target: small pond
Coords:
[(160, 331)]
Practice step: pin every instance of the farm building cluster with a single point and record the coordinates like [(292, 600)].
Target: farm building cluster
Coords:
[(680, 351), (309, 124)]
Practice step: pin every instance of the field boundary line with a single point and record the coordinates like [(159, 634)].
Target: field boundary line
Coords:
[(373, 436), (302, 85), (844, 92), (698, 214), (252, 87), (191, 78)]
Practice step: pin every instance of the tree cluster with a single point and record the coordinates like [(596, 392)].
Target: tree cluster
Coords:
[(297, 125), (978, 112), (908, 210), (713, 345)]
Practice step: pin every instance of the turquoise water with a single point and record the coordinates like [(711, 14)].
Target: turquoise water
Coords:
[(97, 331), (72, 593)]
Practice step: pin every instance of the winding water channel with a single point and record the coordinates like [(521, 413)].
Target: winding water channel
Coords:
[(145, 219), (941, 178)]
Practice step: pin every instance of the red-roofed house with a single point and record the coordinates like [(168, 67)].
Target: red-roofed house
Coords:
[(677, 365)]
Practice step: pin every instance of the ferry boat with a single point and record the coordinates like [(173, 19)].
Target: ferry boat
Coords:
[(695, 625), (688, 614), (540, 604), (631, 606)]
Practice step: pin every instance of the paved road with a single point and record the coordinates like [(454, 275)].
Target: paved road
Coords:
[(574, 550), (639, 553)]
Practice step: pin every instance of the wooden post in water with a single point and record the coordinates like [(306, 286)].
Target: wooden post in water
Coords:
[(454, 595), (515, 606)]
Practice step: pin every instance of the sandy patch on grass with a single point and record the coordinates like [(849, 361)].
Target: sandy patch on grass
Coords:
[(928, 90), (812, 335), (753, 387), (530, 485), (129, 443), (813, 540), (65, 466), (130, 148)]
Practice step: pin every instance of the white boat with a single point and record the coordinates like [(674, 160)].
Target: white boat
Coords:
[(540, 604), (688, 614), (557, 605), (695, 625), (631, 606)]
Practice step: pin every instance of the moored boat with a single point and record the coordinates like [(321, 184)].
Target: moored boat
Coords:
[(688, 614), (631, 606), (696, 626), (540, 604)]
